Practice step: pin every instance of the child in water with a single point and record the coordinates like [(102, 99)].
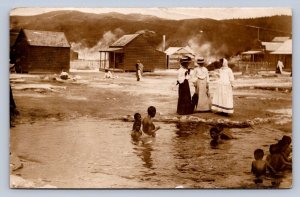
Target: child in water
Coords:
[(275, 160), (215, 136), (148, 126), (259, 166), (285, 149), (136, 128), (217, 133)]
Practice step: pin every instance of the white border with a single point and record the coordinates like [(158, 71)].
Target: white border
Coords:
[(7, 5)]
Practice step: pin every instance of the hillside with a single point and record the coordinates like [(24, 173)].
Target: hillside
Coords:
[(210, 38)]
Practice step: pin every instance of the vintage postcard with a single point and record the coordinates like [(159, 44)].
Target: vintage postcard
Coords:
[(151, 98)]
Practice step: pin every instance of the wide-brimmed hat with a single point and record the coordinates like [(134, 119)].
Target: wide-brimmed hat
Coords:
[(185, 59), (200, 60)]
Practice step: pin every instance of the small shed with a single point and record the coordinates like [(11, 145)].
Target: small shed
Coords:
[(124, 53), (174, 54), (284, 53), (253, 55), (37, 51)]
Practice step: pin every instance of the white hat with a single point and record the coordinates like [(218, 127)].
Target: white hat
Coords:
[(200, 60)]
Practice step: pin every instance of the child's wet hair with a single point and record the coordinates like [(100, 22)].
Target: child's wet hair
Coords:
[(258, 154), (214, 133), (137, 116), (215, 130), (152, 111), (286, 140)]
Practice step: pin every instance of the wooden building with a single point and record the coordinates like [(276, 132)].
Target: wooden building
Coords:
[(284, 53), (124, 53), (41, 52), (253, 56), (174, 54)]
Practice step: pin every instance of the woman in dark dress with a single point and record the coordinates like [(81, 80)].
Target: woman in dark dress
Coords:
[(184, 105)]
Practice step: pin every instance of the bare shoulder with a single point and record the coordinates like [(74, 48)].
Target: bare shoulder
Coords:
[(146, 120)]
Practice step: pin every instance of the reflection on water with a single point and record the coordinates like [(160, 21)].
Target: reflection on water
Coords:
[(101, 154), (143, 148)]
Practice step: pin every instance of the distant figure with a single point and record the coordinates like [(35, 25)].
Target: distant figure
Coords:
[(139, 70), (107, 74), (184, 105), (223, 96), (279, 67), (147, 123), (201, 81), (259, 166), (136, 128)]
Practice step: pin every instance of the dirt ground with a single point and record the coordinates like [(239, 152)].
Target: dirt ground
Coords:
[(87, 100)]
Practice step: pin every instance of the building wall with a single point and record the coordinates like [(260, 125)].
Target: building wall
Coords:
[(39, 59), (160, 60), (286, 60), (139, 49), (48, 59)]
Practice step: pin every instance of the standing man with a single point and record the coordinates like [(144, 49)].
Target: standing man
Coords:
[(139, 70)]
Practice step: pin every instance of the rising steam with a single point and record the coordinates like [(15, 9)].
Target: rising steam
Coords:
[(92, 53), (207, 49)]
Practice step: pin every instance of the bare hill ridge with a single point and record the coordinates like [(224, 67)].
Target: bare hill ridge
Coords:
[(207, 37)]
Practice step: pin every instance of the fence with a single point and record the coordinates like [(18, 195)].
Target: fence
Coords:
[(85, 64), (255, 67)]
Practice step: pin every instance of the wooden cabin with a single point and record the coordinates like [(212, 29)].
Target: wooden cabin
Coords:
[(284, 53), (41, 52), (174, 54), (124, 53)]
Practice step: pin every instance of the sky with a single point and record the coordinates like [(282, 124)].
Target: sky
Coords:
[(172, 13)]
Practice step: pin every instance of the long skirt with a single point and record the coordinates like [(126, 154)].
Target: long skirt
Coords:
[(223, 99), (204, 102), (184, 105)]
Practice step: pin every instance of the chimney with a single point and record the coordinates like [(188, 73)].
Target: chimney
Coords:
[(164, 43)]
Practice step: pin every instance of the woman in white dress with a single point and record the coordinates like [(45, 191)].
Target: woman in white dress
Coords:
[(223, 97), (201, 81)]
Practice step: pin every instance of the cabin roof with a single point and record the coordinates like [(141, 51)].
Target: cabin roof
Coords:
[(46, 38), (271, 46), (280, 39), (124, 40), (285, 48), (172, 50)]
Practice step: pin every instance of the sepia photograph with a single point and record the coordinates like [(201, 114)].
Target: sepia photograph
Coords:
[(156, 98)]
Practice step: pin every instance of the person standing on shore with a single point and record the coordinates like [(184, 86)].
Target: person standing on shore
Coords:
[(139, 70), (279, 67), (201, 81), (223, 96), (184, 105)]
